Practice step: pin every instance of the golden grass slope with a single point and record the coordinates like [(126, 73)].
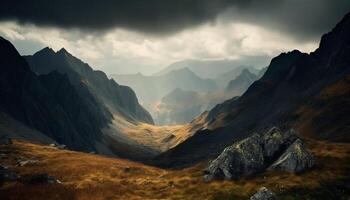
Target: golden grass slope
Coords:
[(88, 176)]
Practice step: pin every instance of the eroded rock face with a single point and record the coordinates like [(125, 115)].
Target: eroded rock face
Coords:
[(256, 153), (297, 158), (263, 194)]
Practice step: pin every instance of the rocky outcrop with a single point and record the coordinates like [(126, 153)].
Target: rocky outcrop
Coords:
[(241, 159), (263, 194), (256, 153), (296, 159)]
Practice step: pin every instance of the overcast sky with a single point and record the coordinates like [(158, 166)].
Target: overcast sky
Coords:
[(143, 36)]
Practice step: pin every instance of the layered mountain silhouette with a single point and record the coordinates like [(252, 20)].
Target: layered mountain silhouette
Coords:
[(48, 103), (306, 91), (224, 79), (213, 69), (115, 97), (154, 90), (151, 89), (62, 100)]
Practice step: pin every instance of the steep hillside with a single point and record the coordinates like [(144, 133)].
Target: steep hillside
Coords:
[(115, 97), (33, 100), (89, 176), (292, 81)]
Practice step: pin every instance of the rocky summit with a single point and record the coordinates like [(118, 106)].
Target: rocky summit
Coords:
[(275, 149)]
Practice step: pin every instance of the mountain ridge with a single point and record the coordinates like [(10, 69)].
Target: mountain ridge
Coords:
[(291, 81)]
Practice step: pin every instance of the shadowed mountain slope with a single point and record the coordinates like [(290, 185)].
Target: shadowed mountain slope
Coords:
[(47, 103), (115, 97)]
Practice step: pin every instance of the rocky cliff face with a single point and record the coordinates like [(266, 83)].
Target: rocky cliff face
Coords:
[(293, 80), (111, 97), (48, 103), (271, 150)]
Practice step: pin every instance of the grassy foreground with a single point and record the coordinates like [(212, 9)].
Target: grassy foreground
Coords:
[(88, 176)]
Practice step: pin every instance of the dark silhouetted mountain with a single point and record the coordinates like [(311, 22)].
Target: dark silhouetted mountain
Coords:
[(90, 84), (306, 91), (241, 83), (47, 103)]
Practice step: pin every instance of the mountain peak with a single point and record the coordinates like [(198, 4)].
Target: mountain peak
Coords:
[(246, 71), (63, 51), (45, 51)]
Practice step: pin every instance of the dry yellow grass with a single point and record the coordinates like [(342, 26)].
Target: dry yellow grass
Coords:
[(158, 138), (88, 176)]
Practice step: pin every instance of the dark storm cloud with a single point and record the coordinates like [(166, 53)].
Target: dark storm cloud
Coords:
[(142, 15), (301, 18)]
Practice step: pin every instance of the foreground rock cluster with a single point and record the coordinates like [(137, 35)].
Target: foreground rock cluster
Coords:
[(273, 150)]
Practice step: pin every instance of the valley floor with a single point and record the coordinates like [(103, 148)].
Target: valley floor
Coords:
[(89, 176)]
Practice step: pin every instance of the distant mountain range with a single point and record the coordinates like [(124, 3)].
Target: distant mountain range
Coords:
[(309, 92), (151, 89), (241, 83), (212, 69), (182, 106)]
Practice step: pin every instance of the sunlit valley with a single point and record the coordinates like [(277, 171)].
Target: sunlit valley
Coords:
[(162, 100)]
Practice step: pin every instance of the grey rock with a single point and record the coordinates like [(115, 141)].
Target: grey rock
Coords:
[(255, 153), (263, 194), (297, 158), (243, 158), (274, 141), (7, 175)]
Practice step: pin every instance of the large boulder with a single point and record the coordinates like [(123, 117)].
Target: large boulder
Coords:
[(281, 149), (242, 158), (274, 141), (297, 158), (263, 194)]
